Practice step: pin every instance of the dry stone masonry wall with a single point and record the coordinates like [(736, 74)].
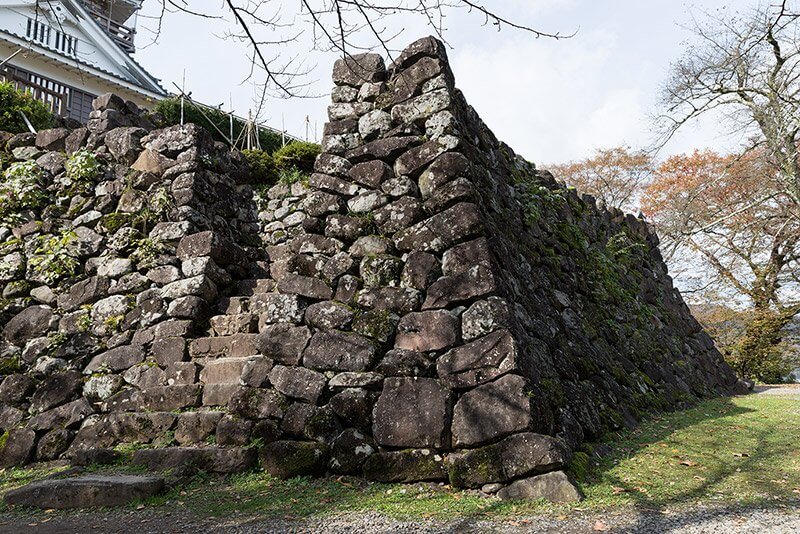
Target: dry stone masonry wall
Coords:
[(428, 306)]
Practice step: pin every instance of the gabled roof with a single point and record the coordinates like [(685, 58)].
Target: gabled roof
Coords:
[(130, 73)]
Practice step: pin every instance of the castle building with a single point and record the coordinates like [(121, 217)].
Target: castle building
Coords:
[(67, 52)]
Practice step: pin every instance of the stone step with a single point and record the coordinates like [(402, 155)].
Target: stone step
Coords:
[(219, 394), (210, 459), (237, 323), (87, 491), (224, 370), (234, 346), (256, 286)]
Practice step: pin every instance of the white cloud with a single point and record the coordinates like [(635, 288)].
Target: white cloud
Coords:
[(552, 101)]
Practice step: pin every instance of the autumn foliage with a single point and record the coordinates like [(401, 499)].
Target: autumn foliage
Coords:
[(727, 220), (732, 214), (614, 175)]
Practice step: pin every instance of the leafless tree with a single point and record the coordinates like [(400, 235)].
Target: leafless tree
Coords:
[(746, 66), (740, 214), (344, 26)]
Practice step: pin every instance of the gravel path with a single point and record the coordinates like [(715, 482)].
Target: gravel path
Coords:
[(783, 390), (778, 519)]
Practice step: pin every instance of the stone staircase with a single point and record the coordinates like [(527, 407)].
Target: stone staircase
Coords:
[(229, 354)]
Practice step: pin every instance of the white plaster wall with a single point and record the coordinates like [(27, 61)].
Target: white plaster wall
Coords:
[(82, 81)]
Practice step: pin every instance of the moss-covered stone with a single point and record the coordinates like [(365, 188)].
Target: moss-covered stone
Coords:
[(288, 459), (515, 456), (411, 465)]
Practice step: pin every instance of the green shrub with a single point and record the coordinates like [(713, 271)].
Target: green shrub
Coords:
[(147, 251), (170, 109), (291, 176), (83, 166), (761, 352), (21, 190), (12, 102), (55, 257), (298, 154), (262, 167)]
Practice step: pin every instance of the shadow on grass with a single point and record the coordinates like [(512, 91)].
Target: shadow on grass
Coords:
[(618, 479), (723, 451)]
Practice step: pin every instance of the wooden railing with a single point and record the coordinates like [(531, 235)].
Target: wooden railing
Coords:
[(55, 101), (122, 35)]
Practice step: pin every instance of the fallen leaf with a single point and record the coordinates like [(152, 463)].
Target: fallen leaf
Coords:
[(616, 490), (600, 526), (688, 463)]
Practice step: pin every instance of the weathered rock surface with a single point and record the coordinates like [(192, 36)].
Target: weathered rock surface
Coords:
[(412, 412), (210, 459), (88, 491), (425, 294), (513, 457), (555, 487)]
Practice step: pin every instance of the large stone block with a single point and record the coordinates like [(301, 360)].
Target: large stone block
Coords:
[(339, 351), (31, 322), (427, 331), (277, 308), (288, 459), (484, 317), (357, 69), (257, 403), (441, 231), (412, 412), (305, 286), (349, 451), (209, 459), (354, 406), (444, 169), (17, 448), (371, 173), (298, 382), (55, 390), (156, 398), (478, 362), (87, 491), (513, 457), (65, 416), (196, 427), (556, 487), (283, 343), (213, 245), (383, 149), (116, 359), (412, 465), (84, 292), (492, 411)]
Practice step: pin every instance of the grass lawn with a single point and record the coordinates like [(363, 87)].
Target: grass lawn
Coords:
[(742, 450)]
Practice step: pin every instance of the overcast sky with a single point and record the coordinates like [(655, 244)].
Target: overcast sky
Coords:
[(552, 101)]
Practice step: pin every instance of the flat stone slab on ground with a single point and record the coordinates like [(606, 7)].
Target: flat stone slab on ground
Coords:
[(211, 459), (85, 491)]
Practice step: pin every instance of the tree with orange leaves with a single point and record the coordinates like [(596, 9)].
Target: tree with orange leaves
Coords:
[(740, 214), (733, 214), (614, 175)]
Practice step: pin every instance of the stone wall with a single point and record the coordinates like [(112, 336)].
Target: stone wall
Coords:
[(428, 306)]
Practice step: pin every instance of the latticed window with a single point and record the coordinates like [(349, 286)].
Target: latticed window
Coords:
[(39, 32), (66, 43)]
